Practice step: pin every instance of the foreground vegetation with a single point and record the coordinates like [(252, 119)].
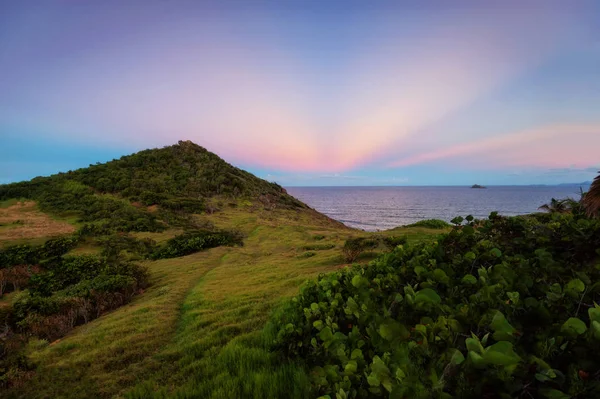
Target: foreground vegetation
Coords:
[(500, 308), (197, 328), (169, 264)]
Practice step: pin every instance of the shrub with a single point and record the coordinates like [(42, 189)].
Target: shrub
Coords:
[(503, 308), (393, 241), (195, 241), (354, 247), (430, 224), (306, 255), (318, 247)]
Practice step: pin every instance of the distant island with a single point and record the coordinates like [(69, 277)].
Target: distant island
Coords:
[(478, 186)]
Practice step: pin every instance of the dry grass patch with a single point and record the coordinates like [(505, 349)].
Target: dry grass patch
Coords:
[(23, 220)]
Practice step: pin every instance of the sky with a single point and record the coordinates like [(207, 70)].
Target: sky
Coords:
[(307, 93)]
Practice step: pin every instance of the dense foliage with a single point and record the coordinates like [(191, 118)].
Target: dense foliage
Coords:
[(62, 292), (431, 224), (499, 308), (115, 194), (354, 247), (194, 241)]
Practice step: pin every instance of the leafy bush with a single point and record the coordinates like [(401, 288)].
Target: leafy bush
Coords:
[(354, 247), (501, 308), (195, 241), (308, 254), (113, 245), (392, 242), (28, 254), (318, 247), (430, 224)]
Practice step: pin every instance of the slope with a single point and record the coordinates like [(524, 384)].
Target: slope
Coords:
[(197, 329)]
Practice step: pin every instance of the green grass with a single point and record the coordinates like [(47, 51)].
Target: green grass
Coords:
[(10, 202), (198, 331)]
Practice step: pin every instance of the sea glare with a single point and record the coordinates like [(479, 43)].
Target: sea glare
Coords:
[(380, 208)]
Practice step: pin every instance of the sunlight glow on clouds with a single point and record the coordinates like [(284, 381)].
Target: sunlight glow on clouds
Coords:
[(348, 90)]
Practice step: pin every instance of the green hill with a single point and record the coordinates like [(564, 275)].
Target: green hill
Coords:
[(155, 275), (184, 177)]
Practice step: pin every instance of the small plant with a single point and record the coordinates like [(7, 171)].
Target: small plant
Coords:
[(306, 255), (354, 247), (431, 224), (318, 247), (393, 241)]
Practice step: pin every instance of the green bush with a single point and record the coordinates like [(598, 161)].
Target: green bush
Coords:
[(354, 247), (430, 224), (318, 247), (308, 254), (195, 241), (393, 241), (29, 254), (504, 308)]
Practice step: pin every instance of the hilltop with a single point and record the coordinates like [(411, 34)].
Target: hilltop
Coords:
[(155, 271), (181, 177)]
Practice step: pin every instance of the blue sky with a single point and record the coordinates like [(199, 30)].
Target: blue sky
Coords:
[(307, 93)]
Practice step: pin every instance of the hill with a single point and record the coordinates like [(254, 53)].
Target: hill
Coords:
[(180, 178), (157, 272)]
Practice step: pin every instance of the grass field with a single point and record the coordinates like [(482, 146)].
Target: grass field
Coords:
[(21, 221), (198, 330)]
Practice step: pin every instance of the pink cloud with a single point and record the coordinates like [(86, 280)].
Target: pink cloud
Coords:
[(551, 146)]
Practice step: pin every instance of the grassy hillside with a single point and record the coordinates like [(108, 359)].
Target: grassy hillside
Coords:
[(196, 331), (187, 326)]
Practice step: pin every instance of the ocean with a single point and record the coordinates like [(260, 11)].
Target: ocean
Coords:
[(380, 208)]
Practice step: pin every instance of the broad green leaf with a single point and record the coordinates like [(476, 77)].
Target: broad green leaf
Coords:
[(356, 354), (359, 281), (314, 307), (502, 328), (351, 367), (318, 324), (476, 359), (326, 334), (427, 295), (574, 327), (387, 384), (595, 328), (470, 256), (469, 279), (575, 285), (496, 252), (457, 357), (351, 307), (594, 313), (373, 380), (474, 345), (513, 296), (501, 354), (400, 375), (440, 276), (386, 331)]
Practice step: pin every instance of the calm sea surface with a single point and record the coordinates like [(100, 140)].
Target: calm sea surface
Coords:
[(379, 208)]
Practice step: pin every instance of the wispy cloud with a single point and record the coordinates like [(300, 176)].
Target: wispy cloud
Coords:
[(550, 146)]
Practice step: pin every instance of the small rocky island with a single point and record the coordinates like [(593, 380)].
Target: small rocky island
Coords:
[(478, 186)]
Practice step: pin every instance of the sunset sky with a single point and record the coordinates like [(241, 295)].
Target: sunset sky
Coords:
[(308, 92)]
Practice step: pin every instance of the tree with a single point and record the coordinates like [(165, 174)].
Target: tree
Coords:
[(555, 206), (591, 200)]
